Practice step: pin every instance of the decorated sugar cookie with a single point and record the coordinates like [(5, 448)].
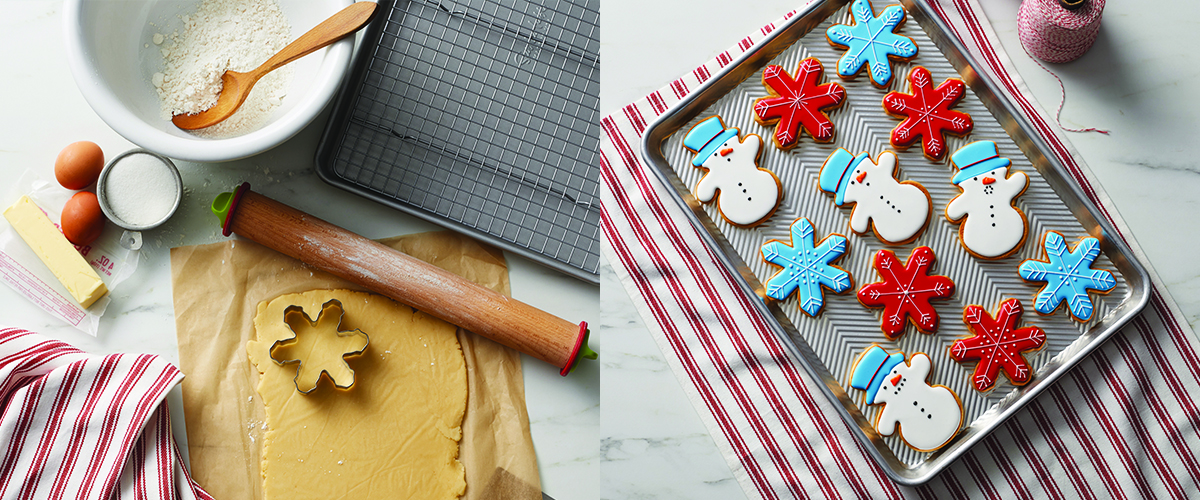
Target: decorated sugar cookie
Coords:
[(997, 344), (1068, 275), (898, 211), (806, 267), (994, 227), (746, 194), (927, 114), (871, 41), (798, 104), (927, 416), (905, 291)]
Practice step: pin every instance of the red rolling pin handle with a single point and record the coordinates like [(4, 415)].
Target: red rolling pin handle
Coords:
[(406, 279)]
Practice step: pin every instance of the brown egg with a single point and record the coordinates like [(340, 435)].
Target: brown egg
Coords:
[(82, 220), (79, 165)]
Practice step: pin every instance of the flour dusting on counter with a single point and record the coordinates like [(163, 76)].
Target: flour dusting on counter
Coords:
[(221, 35)]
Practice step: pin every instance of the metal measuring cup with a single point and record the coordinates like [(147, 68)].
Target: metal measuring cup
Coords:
[(132, 237)]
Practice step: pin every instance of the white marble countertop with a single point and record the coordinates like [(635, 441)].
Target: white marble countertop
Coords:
[(1137, 81), (43, 111)]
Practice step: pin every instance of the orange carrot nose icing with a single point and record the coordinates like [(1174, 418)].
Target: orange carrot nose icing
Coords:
[(895, 380), (988, 180), (726, 151), (860, 177)]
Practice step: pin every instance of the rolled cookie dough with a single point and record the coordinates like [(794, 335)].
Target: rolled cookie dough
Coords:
[(394, 434)]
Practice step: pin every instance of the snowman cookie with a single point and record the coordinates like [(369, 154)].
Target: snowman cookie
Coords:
[(993, 227), (746, 194), (898, 211), (926, 416)]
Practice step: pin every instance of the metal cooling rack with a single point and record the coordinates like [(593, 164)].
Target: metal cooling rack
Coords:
[(479, 115)]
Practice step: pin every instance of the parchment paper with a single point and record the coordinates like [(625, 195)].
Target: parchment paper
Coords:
[(216, 290)]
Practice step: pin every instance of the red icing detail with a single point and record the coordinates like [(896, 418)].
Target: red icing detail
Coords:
[(988, 180), (726, 151), (928, 113), (997, 345), (861, 177), (905, 291), (797, 104), (896, 380)]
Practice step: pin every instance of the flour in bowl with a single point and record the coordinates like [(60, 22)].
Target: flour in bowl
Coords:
[(221, 35)]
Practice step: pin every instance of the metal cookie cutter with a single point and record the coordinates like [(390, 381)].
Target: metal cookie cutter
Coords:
[(309, 371)]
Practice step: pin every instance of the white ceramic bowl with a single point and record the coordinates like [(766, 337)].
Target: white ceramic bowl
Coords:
[(106, 49)]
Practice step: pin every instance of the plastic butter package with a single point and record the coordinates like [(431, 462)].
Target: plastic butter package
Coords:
[(23, 271)]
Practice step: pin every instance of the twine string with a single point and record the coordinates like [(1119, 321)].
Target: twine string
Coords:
[(1054, 34)]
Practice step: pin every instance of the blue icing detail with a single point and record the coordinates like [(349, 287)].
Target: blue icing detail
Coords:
[(872, 368), (870, 40), (1068, 276), (806, 267)]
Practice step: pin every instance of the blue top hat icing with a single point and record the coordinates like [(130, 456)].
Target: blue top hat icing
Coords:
[(976, 158), (706, 137), (835, 173), (872, 368)]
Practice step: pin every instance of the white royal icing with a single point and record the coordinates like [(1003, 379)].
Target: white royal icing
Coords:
[(928, 416), (748, 194), (899, 210), (994, 227)]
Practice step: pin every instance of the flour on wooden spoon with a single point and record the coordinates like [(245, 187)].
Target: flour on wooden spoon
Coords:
[(223, 35)]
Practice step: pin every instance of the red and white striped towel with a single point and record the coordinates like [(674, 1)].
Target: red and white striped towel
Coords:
[(83, 426), (1122, 424)]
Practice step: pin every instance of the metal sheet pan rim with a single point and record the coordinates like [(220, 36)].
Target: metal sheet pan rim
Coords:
[(897, 471)]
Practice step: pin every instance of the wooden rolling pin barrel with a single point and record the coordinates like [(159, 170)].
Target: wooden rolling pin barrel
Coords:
[(403, 278)]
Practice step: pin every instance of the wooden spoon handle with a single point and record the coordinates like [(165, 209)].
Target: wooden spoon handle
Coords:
[(345, 22)]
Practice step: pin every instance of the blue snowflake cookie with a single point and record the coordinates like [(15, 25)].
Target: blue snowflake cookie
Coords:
[(1068, 275), (871, 41), (806, 267)]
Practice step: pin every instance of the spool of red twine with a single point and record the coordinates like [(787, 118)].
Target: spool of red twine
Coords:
[(1054, 33), (1059, 31)]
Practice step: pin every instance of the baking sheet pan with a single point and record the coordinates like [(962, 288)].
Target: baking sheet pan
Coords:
[(828, 344)]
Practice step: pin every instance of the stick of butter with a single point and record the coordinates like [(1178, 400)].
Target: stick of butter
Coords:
[(53, 248)]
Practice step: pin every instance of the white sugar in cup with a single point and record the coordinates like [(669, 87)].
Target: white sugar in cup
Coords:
[(139, 190)]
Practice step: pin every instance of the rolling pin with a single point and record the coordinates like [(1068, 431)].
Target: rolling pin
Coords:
[(403, 278)]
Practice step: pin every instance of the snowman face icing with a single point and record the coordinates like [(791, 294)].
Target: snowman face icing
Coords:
[(927, 416), (748, 195), (994, 227), (898, 211)]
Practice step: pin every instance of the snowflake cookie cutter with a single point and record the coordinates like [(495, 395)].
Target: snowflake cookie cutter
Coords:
[(340, 374)]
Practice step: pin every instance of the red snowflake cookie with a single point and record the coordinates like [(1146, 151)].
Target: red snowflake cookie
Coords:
[(997, 344), (905, 291), (927, 113), (798, 104)]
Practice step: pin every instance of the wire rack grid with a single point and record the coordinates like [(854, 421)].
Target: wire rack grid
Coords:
[(480, 115)]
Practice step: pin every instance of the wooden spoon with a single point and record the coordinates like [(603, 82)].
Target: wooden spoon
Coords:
[(237, 85)]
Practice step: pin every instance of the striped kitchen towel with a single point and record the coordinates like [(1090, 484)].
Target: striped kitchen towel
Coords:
[(83, 426), (1122, 424)]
